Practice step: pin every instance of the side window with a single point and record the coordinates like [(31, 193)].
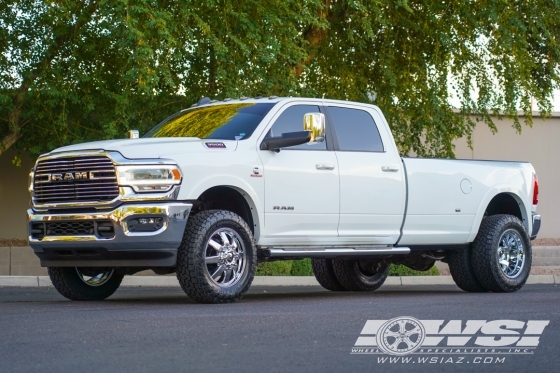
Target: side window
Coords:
[(291, 120), (355, 130)]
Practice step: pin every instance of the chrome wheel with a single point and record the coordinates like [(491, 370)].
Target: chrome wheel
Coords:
[(94, 277), (511, 253), (225, 259)]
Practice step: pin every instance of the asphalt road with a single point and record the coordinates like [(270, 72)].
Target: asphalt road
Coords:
[(273, 329)]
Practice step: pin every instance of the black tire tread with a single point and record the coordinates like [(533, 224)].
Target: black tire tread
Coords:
[(484, 251), (190, 271), (346, 274), (460, 266), (69, 285), (324, 273)]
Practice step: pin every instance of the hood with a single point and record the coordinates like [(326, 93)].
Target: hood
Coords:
[(153, 147)]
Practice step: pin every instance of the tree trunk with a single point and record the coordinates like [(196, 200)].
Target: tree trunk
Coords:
[(48, 57), (9, 140), (315, 36)]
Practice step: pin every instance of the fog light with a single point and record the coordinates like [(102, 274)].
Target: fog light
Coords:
[(145, 224)]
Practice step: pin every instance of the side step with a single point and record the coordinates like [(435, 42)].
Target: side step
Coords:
[(333, 252)]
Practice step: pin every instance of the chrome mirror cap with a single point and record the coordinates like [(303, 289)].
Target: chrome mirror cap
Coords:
[(315, 124)]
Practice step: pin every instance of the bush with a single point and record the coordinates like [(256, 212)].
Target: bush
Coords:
[(402, 270), (276, 268), (302, 268), (285, 268)]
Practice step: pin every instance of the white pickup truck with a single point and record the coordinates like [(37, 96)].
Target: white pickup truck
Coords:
[(218, 187)]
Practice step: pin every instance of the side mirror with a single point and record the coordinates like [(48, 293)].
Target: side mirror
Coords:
[(134, 134), (315, 124), (287, 139)]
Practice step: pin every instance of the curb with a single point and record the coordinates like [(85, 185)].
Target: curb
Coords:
[(171, 281)]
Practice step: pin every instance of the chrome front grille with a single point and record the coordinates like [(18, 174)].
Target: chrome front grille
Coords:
[(77, 179)]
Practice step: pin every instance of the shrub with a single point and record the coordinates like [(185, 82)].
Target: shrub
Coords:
[(301, 268), (276, 268), (402, 270)]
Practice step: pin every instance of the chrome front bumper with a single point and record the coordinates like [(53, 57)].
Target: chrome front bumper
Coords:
[(124, 249)]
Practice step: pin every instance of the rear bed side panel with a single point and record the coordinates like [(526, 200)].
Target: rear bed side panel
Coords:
[(520, 188), (448, 198)]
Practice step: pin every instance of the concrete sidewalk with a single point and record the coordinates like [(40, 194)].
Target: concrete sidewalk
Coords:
[(34, 281)]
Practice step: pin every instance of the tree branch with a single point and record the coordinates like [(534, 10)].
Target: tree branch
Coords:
[(315, 36), (48, 57), (8, 141)]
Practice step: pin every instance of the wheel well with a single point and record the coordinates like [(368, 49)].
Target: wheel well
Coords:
[(226, 198), (504, 204)]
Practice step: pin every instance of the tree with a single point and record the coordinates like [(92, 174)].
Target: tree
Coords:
[(74, 71)]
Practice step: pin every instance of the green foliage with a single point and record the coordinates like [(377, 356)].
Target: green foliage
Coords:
[(285, 268), (402, 270), (302, 268), (74, 71), (276, 268)]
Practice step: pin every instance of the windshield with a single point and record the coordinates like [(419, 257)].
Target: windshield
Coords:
[(220, 122)]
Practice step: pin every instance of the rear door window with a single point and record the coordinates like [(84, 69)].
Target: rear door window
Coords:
[(355, 130)]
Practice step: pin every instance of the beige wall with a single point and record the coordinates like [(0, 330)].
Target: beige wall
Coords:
[(538, 145), (14, 196)]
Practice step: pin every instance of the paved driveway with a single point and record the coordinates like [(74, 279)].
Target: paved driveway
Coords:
[(273, 329)]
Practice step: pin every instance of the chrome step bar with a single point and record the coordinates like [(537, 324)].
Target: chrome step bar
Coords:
[(333, 252)]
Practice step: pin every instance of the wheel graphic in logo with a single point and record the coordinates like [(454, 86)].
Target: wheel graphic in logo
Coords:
[(401, 336)]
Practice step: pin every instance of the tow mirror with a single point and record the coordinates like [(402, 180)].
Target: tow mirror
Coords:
[(315, 124)]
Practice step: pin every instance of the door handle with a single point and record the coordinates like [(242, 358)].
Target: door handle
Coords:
[(321, 166), (389, 168)]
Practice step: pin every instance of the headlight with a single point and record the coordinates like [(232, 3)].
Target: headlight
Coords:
[(149, 178)]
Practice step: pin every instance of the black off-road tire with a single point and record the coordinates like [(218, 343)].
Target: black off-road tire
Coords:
[(324, 273), (484, 255), (191, 268), (460, 266), (69, 284), (354, 275)]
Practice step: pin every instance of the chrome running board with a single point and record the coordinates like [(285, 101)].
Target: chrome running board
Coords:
[(333, 252)]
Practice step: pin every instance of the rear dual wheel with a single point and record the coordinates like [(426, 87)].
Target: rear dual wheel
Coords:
[(351, 275), (498, 260)]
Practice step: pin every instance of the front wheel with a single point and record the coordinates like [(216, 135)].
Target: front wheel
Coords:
[(501, 254), (216, 261), (82, 283), (361, 274)]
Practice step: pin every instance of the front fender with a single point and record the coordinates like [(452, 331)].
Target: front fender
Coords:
[(250, 191)]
